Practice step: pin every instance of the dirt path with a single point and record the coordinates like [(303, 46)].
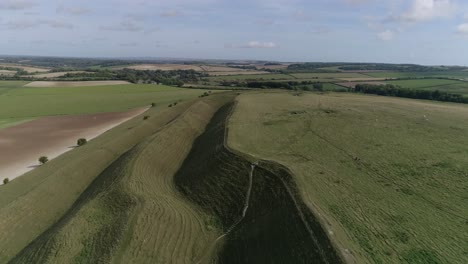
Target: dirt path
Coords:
[(22, 145), (244, 212)]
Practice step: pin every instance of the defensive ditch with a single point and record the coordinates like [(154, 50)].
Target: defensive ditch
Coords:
[(277, 226)]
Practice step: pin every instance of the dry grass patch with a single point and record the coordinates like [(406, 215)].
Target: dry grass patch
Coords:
[(53, 74), (7, 73), (29, 69)]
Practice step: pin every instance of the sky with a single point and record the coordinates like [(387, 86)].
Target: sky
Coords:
[(431, 32)]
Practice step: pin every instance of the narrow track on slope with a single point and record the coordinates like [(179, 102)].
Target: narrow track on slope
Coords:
[(244, 212), (275, 225)]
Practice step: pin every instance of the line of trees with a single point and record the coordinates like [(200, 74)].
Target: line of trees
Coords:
[(397, 91), (289, 85), (176, 77)]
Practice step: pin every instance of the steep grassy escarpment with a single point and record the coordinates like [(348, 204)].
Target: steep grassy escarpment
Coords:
[(131, 212), (276, 228)]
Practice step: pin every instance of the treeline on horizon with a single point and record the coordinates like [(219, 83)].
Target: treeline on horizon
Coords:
[(397, 91), (318, 67)]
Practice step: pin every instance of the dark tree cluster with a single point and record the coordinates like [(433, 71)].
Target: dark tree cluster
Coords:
[(399, 67), (397, 91), (291, 85), (176, 77)]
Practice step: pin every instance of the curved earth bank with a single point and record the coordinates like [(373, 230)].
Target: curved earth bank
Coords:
[(22, 145), (277, 226)]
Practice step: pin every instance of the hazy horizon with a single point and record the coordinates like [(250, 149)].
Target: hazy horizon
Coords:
[(429, 32)]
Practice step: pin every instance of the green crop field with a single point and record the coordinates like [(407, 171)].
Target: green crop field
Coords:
[(424, 83), (449, 74), (250, 77), (329, 75), (18, 103), (387, 175), (449, 86)]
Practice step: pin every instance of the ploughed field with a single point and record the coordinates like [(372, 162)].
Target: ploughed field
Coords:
[(21, 145), (257, 177)]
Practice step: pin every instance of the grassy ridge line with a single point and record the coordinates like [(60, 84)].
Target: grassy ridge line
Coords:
[(131, 213), (32, 203), (273, 230), (167, 228)]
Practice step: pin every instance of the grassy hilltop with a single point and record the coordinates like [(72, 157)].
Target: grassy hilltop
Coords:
[(387, 175)]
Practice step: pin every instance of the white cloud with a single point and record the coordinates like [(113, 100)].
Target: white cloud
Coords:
[(57, 24), (123, 26), (27, 24), (128, 44), (356, 2), (171, 13), (425, 10), (16, 4), (149, 31), (386, 35), (74, 11), (253, 45), (463, 29)]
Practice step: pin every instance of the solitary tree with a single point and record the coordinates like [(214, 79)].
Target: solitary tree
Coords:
[(6, 180), (81, 142), (145, 117), (153, 104), (43, 159)]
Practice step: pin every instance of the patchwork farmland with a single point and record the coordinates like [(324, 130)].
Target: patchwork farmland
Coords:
[(301, 169)]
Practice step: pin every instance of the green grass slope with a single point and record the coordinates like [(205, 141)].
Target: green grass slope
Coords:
[(97, 203), (386, 175), (257, 206)]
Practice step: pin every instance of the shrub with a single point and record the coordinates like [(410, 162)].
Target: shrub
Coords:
[(153, 104), (145, 117), (82, 141), (170, 105), (6, 180), (43, 159)]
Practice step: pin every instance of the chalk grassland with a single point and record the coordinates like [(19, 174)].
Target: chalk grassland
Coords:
[(113, 199), (387, 175), (74, 83), (29, 69), (30, 102)]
